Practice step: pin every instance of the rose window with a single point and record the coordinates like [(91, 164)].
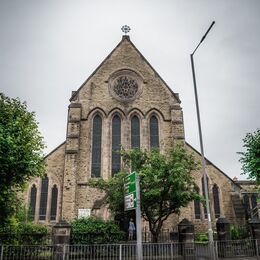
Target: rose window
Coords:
[(125, 87)]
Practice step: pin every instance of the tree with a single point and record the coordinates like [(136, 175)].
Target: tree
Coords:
[(21, 152), (250, 159), (166, 184)]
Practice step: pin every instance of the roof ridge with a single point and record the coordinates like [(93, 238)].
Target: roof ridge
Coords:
[(52, 151)]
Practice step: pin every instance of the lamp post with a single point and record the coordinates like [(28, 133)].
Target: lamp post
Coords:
[(210, 232)]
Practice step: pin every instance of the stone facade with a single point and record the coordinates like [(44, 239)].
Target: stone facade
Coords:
[(126, 85)]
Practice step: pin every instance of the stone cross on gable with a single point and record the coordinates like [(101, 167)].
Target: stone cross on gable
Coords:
[(126, 29)]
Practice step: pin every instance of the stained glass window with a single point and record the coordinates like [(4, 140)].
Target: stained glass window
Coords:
[(32, 202), (125, 87), (96, 146), (197, 208), (116, 142), (135, 132), (154, 133), (215, 191), (204, 195), (246, 203), (43, 199), (54, 200)]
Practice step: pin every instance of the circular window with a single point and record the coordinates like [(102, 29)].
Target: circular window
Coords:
[(125, 85)]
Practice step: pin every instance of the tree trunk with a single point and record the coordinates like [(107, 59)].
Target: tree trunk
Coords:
[(155, 237), (155, 231)]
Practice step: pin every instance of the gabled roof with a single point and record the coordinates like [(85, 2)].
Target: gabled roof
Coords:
[(124, 38), (55, 149), (209, 162)]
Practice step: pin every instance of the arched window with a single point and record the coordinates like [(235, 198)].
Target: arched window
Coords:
[(43, 199), (54, 200), (154, 133), (32, 206), (215, 191), (246, 205), (135, 132), (197, 208), (204, 194), (253, 201), (116, 142), (96, 146)]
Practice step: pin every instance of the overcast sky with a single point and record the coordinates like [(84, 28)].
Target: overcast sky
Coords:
[(48, 48)]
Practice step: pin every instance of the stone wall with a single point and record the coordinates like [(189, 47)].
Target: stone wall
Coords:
[(54, 171)]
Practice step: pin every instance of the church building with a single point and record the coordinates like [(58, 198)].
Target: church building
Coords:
[(124, 102)]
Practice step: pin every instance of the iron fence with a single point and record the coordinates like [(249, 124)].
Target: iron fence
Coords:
[(39, 252), (238, 248), (221, 250)]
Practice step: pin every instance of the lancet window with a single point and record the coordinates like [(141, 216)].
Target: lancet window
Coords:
[(96, 146), (135, 132), (116, 142), (43, 199), (154, 133)]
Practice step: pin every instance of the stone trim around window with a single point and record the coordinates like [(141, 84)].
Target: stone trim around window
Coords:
[(125, 85)]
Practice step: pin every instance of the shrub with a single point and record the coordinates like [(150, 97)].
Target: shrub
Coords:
[(94, 231), (8, 232), (15, 233), (17, 230), (201, 238), (238, 232), (33, 234)]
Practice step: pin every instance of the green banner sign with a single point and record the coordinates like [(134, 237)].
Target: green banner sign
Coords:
[(130, 201), (130, 183), (130, 191)]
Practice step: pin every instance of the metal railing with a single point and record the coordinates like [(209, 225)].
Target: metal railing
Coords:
[(238, 249), (254, 213), (10, 252)]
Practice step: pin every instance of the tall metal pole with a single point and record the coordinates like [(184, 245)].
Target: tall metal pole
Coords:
[(138, 220), (210, 233)]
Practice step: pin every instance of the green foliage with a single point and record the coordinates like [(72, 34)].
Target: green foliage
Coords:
[(32, 234), (21, 152), (166, 184), (9, 232), (114, 188), (17, 231), (14, 233), (201, 238), (250, 159), (95, 231), (237, 233)]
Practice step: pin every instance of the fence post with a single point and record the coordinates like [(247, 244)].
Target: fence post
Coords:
[(256, 249), (61, 238), (65, 252), (171, 250), (2, 253), (120, 252), (216, 250)]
